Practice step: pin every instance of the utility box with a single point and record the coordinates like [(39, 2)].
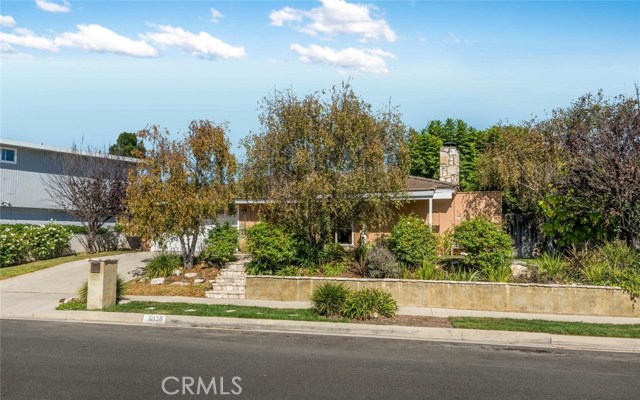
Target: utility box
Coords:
[(101, 288)]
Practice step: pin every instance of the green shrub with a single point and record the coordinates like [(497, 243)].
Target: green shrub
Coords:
[(14, 248), (412, 241), (369, 303), (334, 252), (270, 246), (329, 299), (163, 265), (22, 243), (555, 266), (381, 263), (334, 268), (290, 270), (82, 292), (486, 245), (307, 255), (47, 241), (221, 244), (81, 230)]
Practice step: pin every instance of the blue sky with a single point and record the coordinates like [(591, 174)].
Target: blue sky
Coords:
[(88, 70)]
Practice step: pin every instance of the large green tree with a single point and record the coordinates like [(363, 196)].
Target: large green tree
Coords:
[(425, 149), (576, 172), (601, 137), (324, 161), (181, 184), (128, 145)]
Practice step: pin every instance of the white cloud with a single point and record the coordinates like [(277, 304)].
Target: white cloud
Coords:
[(287, 14), (102, 40), (202, 45), (52, 7), (89, 37), (6, 20), (336, 17), (26, 38), (452, 38), (6, 51), (365, 60), (215, 15)]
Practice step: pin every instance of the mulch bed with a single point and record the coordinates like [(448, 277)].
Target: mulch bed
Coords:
[(410, 320)]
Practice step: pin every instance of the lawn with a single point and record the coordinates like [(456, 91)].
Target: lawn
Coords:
[(554, 327), (498, 324), (15, 270), (208, 310)]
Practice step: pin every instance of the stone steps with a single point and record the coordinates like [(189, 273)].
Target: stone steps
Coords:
[(231, 282)]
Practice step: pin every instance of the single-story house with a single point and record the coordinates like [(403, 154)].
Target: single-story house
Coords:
[(437, 202)]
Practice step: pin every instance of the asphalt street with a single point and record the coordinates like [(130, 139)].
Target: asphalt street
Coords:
[(61, 360)]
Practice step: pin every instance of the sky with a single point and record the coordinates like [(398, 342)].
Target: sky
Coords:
[(84, 71)]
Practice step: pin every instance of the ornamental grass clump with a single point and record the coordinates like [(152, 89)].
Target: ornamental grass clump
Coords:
[(555, 266), (369, 303), (329, 299), (163, 265)]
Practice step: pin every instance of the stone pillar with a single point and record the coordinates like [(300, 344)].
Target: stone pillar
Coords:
[(450, 164), (101, 289)]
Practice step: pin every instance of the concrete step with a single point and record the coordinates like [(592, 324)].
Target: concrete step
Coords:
[(234, 268)]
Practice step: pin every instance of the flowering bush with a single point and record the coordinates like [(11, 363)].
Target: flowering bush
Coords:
[(21, 243)]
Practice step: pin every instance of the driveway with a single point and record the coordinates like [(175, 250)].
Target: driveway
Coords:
[(42, 290)]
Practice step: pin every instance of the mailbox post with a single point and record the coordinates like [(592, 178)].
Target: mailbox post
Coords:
[(101, 287)]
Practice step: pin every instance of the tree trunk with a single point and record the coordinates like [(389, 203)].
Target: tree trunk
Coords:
[(188, 247)]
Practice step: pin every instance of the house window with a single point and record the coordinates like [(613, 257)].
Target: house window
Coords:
[(8, 155), (344, 236)]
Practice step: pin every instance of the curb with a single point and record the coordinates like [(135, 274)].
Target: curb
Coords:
[(470, 336)]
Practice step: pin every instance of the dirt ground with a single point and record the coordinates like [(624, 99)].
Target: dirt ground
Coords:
[(410, 320)]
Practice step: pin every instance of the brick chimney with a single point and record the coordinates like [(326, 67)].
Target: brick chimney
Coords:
[(449, 163)]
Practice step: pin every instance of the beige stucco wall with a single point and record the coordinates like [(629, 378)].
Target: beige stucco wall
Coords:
[(507, 297)]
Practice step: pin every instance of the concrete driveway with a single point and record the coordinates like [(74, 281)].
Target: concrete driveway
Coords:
[(42, 290)]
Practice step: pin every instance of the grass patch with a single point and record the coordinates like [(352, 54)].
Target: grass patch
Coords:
[(75, 305), (208, 310), (554, 327), (15, 270)]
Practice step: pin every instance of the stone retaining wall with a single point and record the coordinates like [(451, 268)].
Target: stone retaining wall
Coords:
[(507, 297)]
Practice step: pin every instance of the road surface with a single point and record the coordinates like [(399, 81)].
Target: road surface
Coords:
[(61, 360)]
